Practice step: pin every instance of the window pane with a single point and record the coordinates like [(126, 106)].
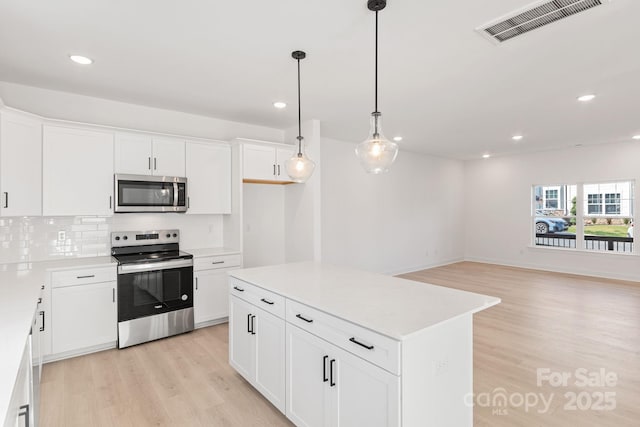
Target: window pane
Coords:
[(609, 216), (554, 215)]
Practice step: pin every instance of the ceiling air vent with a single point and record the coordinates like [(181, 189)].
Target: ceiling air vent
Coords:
[(534, 16)]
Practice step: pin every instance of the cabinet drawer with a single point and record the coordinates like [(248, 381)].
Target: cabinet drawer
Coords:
[(213, 262), (266, 300), (83, 276), (377, 349)]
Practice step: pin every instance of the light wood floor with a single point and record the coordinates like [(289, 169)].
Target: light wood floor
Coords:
[(546, 320)]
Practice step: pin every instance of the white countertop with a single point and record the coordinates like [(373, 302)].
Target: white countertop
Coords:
[(204, 252), (388, 305), (20, 285)]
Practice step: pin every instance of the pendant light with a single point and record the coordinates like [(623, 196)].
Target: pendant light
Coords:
[(299, 167), (376, 153)]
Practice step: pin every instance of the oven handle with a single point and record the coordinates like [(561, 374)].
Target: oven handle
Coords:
[(155, 266), (175, 194)]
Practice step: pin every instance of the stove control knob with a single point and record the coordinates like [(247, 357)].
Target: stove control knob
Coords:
[(117, 237), (168, 235), (124, 238), (185, 297), (175, 235)]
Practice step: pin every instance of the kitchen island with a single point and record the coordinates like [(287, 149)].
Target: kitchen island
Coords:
[(341, 347)]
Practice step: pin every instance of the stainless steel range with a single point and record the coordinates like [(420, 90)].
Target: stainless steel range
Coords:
[(155, 285)]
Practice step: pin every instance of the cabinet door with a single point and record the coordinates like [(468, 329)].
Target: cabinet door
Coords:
[(241, 354), (168, 156), (20, 404), (20, 165), (364, 394), (270, 357), (133, 154), (308, 387), (282, 154), (211, 295), (77, 172), (83, 316), (208, 168), (259, 162)]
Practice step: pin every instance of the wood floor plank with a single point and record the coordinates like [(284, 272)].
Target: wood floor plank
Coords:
[(546, 320)]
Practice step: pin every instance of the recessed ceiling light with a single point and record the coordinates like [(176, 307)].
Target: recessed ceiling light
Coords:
[(82, 60), (280, 105), (586, 98), (517, 137), (636, 137), (486, 156), (397, 138)]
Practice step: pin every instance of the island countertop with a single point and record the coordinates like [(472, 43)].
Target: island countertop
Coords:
[(388, 305)]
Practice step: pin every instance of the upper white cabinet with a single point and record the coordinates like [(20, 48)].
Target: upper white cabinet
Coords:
[(20, 164), (142, 154), (265, 162), (77, 172), (209, 178)]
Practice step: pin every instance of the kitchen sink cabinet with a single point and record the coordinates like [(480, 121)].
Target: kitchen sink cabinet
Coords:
[(20, 164), (208, 170), (143, 154), (77, 171), (266, 162)]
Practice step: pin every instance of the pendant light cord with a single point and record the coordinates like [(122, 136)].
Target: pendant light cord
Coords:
[(299, 115), (376, 85)]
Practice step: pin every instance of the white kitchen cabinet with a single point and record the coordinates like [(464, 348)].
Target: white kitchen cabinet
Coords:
[(20, 164), (83, 316), (328, 386), (144, 154), (211, 296), (208, 171), (265, 162), (77, 172), (21, 409), (256, 349)]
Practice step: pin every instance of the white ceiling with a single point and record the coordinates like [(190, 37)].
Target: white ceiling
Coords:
[(444, 88)]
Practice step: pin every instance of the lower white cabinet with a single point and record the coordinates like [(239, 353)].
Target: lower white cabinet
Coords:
[(21, 409), (83, 316), (256, 349), (328, 386), (211, 295)]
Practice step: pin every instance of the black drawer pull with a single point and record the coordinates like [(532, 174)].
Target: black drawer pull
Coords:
[(86, 277), (42, 327), (238, 289), (217, 262), (301, 317), (355, 341), (266, 301), (332, 383)]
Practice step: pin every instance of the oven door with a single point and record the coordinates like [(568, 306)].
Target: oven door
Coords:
[(141, 193), (154, 288)]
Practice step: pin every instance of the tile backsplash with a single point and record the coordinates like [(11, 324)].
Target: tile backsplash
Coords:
[(50, 238)]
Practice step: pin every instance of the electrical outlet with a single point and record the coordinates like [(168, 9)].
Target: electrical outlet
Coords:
[(62, 236), (441, 366)]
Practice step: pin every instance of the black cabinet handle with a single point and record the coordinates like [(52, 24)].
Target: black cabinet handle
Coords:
[(301, 317), (266, 301), (25, 413), (149, 163), (253, 331), (324, 369), (217, 262), (86, 277), (332, 382), (355, 341), (238, 289), (196, 283), (113, 295), (249, 323), (274, 170), (110, 201), (155, 163), (6, 199), (42, 327), (278, 170)]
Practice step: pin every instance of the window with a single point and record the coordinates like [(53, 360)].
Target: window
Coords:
[(594, 204), (612, 203), (604, 216), (551, 199)]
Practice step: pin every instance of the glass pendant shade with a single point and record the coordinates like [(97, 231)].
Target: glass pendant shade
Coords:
[(299, 167), (376, 153)]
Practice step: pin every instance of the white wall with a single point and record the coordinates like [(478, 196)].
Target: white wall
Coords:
[(408, 219), (79, 108), (498, 200), (263, 224)]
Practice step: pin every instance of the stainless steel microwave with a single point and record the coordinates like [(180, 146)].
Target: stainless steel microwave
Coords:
[(143, 193)]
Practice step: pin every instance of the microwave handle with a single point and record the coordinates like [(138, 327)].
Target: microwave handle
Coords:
[(175, 194)]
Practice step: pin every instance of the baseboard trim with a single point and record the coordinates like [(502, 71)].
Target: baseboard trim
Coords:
[(211, 322), (80, 352), (423, 267)]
